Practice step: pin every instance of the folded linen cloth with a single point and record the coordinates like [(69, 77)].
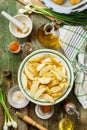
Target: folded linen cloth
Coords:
[(81, 82), (73, 42)]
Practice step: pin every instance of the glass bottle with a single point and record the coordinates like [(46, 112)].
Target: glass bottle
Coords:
[(65, 124), (48, 35), (70, 108)]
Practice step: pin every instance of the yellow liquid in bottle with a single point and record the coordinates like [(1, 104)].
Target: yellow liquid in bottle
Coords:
[(48, 40), (66, 124)]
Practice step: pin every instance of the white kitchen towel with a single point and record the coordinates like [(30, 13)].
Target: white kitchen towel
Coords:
[(73, 42), (71, 39)]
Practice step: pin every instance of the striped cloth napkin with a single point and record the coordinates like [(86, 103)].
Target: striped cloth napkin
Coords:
[(73, 42)]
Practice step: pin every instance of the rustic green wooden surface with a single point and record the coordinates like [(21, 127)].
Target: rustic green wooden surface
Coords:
[(12, 62)]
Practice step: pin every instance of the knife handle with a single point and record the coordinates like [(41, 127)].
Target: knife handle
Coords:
[(33, 123)]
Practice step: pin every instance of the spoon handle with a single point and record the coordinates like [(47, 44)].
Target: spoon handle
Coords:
[(13, 20)]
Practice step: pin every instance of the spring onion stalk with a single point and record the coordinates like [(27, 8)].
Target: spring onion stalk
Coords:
[(8, 119), (9, 123), (5, 127), (71, 19)]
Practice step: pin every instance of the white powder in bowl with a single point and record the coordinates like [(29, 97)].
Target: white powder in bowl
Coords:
[(18, 97)]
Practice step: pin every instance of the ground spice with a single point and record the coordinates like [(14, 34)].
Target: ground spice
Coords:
[(19, 30), (14, 46), (45, 109), (18, 97)]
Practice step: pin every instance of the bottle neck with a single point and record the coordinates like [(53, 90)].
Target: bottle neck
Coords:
[(49, 28)]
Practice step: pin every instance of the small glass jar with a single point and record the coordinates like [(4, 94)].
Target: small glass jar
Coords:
[(14, 47), (26, 48), (70, 108)]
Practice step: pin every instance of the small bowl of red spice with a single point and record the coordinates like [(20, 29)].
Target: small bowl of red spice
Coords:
[(44, 112), (45, 109), (14, 47)]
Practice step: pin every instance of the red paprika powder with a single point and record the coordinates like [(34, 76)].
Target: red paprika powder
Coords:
[(14, 46)]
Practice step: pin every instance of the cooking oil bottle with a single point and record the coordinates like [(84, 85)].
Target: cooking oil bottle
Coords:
[(48, 35), (65, 124)]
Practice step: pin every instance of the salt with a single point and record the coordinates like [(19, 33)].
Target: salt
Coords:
[(18, 97)]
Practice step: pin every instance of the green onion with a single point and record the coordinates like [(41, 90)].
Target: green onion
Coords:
[(8, 119), (79, 18), (5, 127)]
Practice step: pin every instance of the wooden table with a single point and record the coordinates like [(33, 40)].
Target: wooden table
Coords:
[(12, 62)]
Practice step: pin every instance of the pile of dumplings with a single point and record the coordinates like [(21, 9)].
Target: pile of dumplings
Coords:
[(74, 2)]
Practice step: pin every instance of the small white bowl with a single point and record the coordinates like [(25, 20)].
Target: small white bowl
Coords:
[(17, 104), (23, 19), (43, 115)]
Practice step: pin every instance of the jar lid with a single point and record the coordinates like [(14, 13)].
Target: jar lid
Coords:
[(16, 98)]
